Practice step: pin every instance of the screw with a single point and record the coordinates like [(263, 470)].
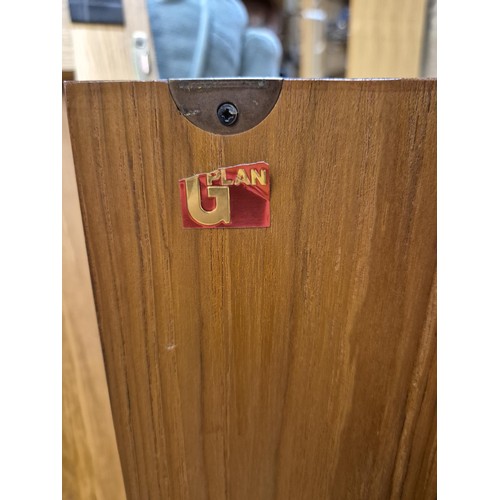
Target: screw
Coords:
[(228, 114)]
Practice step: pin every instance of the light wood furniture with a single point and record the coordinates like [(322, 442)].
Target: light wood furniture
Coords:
[(104, 52), (91, 467), (294, 362), (68, 60), (386, 38), (312, 27)]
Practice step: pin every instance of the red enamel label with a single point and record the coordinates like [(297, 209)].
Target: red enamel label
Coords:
[(227, 197)]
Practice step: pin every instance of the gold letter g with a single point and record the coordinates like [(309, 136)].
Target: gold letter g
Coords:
[(221, 212)]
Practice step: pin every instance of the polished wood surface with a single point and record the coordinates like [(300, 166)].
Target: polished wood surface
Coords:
[(91, 467), (386, 38), (294, 362)]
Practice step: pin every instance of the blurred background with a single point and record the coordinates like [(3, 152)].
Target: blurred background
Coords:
[(153, 39)]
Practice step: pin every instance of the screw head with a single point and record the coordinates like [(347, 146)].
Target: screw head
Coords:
[(227, 113)]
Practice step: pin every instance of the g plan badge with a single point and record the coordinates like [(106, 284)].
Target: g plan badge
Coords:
[(227, 197)]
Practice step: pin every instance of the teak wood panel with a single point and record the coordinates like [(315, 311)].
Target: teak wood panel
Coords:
[(91, 466), (293, 362)]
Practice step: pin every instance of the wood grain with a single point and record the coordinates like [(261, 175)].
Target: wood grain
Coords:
[(386, 38), (294, 362), (91, 467)]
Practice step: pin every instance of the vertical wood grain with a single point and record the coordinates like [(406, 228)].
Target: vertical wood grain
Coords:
[(91, 466), (294, 362)]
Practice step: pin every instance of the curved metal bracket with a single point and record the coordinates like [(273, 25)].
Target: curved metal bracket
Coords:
[(199, 100)]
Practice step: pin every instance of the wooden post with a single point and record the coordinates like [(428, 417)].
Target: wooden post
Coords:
[(312, 39)]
